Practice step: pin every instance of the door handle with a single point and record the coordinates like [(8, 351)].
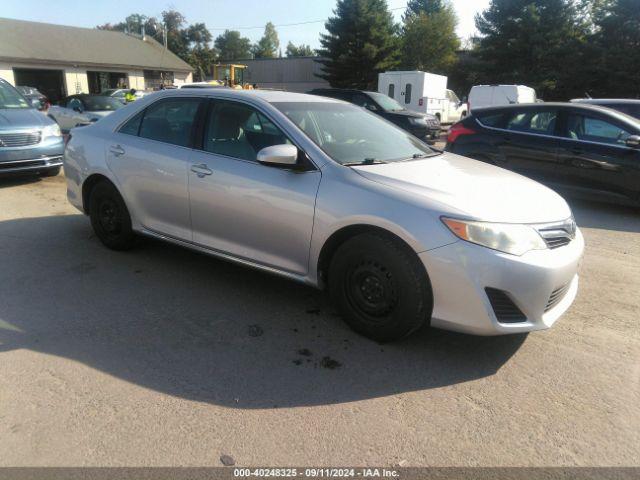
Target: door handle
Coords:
[(201, 170), (117, 150)]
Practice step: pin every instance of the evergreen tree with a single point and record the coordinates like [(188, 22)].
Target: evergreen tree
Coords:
[(539, 43), (361, 42), (299, 51), (232, 46), (429, 39), (268, 45), (617, 43)]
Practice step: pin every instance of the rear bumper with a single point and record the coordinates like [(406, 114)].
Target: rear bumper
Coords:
[(461, 272)]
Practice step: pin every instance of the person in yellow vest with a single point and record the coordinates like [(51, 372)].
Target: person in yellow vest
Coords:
[(130, 96)]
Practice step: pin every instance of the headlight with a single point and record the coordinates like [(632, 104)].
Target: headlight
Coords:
[(513, 238), (51, 131)]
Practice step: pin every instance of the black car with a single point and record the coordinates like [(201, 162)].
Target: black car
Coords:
[(628, 106), (584, 149), (35, 97), (423, 126)]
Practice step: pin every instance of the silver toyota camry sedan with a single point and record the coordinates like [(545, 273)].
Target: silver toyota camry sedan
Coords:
[(326, 193)]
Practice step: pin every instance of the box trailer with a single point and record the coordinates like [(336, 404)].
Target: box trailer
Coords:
[(497, 95), (423, 92)]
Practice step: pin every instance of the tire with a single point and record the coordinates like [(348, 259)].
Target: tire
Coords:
[(380, 287), (110, 217), (52, 172)]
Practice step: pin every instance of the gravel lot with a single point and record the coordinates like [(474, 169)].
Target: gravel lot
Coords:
[(162, 356)]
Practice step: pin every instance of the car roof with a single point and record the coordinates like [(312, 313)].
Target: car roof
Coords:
[(349, 90), (597, 101), (269, 96), (575, 105)]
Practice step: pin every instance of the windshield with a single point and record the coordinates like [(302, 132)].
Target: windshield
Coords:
[(387, 103), (351, 135), (100, 103), (10, 98)]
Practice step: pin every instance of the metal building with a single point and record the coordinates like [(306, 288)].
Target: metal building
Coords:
[(296, 74)]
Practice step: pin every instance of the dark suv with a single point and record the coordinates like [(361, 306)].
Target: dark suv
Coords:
[(421, 125), (589, 150)]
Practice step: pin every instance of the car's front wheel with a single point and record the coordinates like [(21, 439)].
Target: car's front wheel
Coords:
[(110, 217), (380, 287)]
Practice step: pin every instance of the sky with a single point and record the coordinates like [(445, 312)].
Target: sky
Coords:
[(216, 14)]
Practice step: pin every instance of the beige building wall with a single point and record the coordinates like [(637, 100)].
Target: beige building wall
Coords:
[(181, 77), (6, 73)]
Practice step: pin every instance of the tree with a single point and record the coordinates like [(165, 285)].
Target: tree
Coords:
[(616, 44), (540, 43), (428, 7), (231, 45), (267, 46), (429, 39), (361, 42), (299, 51)]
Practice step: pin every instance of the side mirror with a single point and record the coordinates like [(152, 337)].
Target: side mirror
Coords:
[(371, 107), (78, 109), (633, 141), (37, 103), (279, 155)]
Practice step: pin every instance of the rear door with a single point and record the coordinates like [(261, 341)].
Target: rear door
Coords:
[(529, 142), (594, 156), (150, 156)]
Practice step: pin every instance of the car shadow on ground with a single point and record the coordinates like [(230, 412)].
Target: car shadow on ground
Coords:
[(195, 327), (605, 216)]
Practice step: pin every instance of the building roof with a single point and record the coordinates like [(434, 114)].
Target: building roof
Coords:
[(58, 44)]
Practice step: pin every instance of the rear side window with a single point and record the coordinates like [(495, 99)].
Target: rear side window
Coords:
[(491, 119), (132, 127), (170, 121), (541, 122)]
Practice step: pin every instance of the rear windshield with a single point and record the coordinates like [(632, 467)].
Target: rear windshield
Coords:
[(101, 103), (10, 98)]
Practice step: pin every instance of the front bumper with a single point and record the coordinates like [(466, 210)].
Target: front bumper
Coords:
[(461, 271), (33, 159)]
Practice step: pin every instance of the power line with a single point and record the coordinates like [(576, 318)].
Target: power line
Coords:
[(285, 24)]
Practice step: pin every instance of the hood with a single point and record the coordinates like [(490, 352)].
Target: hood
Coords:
[(408, 113), (12, 118), (100, 113), (474, 189)]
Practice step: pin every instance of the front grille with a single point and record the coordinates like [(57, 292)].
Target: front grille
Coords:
[(505, 310), (556, 296), (433, 123), (19, 139), (558, 234)]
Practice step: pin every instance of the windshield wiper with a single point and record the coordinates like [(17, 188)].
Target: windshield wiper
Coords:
[(366, 161)]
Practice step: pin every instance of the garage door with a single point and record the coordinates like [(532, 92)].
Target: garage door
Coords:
[(49, 82)]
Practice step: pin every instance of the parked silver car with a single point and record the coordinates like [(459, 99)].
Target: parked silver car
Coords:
[(326, 193), (83, 109), (30, 142)]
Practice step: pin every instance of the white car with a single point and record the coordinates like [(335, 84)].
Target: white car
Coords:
[(83, 109), (326, 193), (498, 95)]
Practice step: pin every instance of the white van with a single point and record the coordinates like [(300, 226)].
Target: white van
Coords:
[(423, 92), (495, 95)]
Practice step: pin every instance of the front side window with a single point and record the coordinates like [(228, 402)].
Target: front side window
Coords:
[(170, 121), (132, 127), (10, 98), (100, 103), (349, 134), (591, 129), (541, 122), (239, 131)]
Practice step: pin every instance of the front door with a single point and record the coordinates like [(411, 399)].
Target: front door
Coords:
[(150, 156), (594, 156), (240, 207), (529, 143)]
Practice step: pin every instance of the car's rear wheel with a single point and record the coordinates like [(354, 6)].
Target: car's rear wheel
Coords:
[(110, 217), (380, 287)]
